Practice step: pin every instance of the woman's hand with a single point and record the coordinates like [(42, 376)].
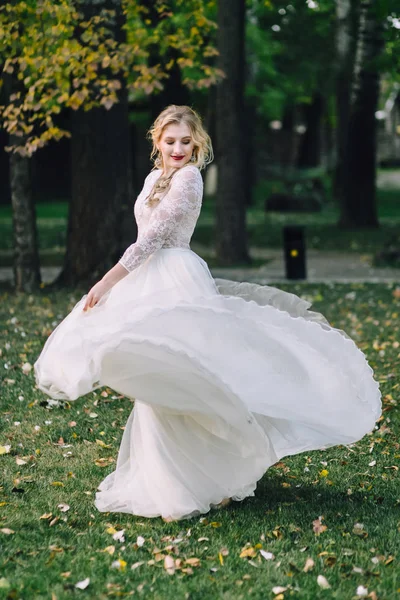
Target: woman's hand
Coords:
[(95, 293)]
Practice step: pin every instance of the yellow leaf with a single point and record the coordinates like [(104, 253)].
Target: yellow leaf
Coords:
[(221, 558), (109, 549), (324, 473), (111, 530), (103, 444), (57, 483), (46, 516), (249, 551), (4, 450), (216, 524)]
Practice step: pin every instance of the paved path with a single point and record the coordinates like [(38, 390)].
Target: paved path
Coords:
[(322, 266)]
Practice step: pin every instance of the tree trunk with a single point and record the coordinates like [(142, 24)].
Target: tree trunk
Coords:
[(310, 146), (231, 235), (345, 49), (26, 258), (359, 195), (101, 181), (100, 157)]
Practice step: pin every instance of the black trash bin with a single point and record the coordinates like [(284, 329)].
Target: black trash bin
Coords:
[(294, 247)]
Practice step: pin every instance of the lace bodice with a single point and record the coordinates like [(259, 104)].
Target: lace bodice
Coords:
[(171, 222)]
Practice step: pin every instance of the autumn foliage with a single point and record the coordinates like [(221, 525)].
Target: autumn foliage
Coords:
[(66, 55)]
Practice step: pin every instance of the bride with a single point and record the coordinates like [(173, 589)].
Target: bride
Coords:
[(227, 377)]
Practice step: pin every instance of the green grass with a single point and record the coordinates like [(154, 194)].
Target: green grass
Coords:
[(45, 557)]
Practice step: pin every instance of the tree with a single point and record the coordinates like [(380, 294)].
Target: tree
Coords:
[(231, 244), (358, 206), (64, 57)]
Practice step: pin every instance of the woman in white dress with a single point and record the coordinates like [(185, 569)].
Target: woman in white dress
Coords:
[(227, 377)]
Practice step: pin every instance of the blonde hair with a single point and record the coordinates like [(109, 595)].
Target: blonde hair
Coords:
[(202, 151)]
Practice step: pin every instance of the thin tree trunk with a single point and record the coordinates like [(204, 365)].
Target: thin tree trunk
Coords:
[(231, 238), (310, 146), (359, 195), (345, 49), (26, 265)]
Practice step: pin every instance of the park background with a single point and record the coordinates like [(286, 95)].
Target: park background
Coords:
[(302, 103)]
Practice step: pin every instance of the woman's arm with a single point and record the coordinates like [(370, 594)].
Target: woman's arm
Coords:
[(184, 193)]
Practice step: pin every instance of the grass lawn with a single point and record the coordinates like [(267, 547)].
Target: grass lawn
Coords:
[(334, 513)]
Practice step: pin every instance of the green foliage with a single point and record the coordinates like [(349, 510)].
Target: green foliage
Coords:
[(289, 48), (57, 56)]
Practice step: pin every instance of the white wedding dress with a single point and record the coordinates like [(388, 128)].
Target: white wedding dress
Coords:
[(227, 377)]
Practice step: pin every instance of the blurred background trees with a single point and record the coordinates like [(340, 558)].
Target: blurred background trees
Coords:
[(301, 100)]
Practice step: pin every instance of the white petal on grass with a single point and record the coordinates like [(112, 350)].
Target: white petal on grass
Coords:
[(119, 536), (63, 507), (267, 555), (309, 565), (169, 564), (82, 585), (362, 591), (26, 368), (323, 582), (137, 564), (278, 589), (140, 541)]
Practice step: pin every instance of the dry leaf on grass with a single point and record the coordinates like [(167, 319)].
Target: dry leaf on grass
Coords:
[(309, 565), (318, 527), (323, 582)]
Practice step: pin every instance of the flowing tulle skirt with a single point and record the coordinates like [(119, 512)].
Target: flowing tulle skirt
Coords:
[(227, 378)]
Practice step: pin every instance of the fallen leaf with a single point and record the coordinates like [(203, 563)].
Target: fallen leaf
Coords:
[(194, 562), (4, 449), (137, 564), (119, 564), (323, 582), (308, 565), (82, 585), (267, 555), (248, 552), (318, 527), (119, 535), (278, 589), (169, 564), (103, 444), (104, 462), (111, 529)]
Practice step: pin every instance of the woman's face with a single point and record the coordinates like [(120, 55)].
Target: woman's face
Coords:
[(176, 146)]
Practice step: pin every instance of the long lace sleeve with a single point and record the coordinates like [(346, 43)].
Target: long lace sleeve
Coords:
[(182, 199)]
